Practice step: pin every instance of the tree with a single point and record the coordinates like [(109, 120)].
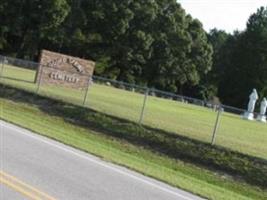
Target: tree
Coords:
[(208, 85), (220, 42), (148, 42), (247, 68), (181, 53), (123, 40), (33, 19)]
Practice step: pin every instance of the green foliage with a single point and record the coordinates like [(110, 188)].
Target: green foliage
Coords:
[(33, 19), (208, 85), (139, 41), (247, 62), (239, 63), (181, 52)]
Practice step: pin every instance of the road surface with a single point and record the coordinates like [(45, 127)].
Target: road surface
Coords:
[(35, 167)]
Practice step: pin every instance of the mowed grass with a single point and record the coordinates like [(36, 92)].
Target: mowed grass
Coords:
[(184, 119), (177, 173)]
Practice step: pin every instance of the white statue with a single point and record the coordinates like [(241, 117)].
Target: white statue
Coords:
[(252, 101), (262, 117), (253, 97), (263, 106)]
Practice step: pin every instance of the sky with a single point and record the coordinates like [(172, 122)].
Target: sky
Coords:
[(228, 15)]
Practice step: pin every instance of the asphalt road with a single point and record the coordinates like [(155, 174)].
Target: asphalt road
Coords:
[(35, 167)]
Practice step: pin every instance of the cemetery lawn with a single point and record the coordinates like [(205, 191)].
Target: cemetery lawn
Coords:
[(177, 173), (184, 119)]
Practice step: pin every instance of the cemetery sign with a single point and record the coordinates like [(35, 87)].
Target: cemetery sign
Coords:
[(60, 69)]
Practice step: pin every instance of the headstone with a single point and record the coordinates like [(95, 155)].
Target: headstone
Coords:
[(60, 69), (262, 116), (249, 114)]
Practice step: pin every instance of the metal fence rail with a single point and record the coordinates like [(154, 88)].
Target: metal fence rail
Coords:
[(194, 118)]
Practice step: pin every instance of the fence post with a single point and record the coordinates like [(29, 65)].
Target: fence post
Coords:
[(39, 79), (87, 89), (216, 125), (2, 68), (143, 108), (37, 74)]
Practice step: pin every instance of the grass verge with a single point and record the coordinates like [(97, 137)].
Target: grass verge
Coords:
[(187, 120), (198, 180)]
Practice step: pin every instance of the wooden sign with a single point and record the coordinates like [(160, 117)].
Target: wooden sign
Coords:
[(60, 69)]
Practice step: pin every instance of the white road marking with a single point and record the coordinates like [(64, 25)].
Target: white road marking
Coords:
[(29, 134)]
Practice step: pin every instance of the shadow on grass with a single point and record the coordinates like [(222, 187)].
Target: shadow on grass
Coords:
[(251, 169), (16, 79)]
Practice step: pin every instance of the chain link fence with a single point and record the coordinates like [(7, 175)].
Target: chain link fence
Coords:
[(197, 119)]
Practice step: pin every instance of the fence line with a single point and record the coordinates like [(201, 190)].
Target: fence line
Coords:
[(149, 91), (141, 104), (152, 91)]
